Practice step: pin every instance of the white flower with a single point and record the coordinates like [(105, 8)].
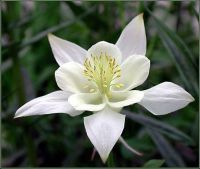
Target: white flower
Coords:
[(101, 80)]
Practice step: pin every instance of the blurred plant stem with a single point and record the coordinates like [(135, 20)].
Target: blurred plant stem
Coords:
[(21, 95), (152, 46), (110, 161), (18, 79)]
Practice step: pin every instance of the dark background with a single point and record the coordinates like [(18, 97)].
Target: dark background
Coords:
[(28, 68)]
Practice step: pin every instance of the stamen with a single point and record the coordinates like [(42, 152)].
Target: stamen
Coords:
[(102, 70), (85, 86), (92, 90), (119, 85), (105, 85)]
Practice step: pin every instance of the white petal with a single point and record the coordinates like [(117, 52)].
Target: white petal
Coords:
[(122, 99), (65, 51), (55, 102), (165, 98), (133, 38), (87, 101), (105, 48), (134, 71), (70, 77), (104, 129)]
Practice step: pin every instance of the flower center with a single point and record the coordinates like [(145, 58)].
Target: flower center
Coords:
[(102, 71)]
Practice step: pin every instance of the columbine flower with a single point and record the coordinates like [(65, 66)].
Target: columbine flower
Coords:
[(101, 80)]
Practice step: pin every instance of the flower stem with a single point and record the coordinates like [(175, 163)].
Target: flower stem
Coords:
[(18, 79), (93, 154)]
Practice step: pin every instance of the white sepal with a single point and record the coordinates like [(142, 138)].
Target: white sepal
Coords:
[(133, 38), (165, 98), (104, 129), (55, 102), (65, 51)]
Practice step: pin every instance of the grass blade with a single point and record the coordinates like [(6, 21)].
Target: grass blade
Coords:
[(170, 131), (172, 158)]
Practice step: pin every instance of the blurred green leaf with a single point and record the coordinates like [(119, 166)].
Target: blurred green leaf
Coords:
[(46, 73), (110, 160), (15, 8), (159, 126), (193, 10), (55, 28), (173, 159), (52, 29), (153, 163)]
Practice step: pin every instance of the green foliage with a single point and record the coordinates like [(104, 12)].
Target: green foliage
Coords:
[(154, 163), (28, 68)]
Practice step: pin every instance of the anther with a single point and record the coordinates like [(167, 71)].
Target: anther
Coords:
[(86, 86), (92, 90), (102, 70)]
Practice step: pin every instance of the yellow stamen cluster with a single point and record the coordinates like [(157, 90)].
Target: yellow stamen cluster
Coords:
[(102, 70)]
